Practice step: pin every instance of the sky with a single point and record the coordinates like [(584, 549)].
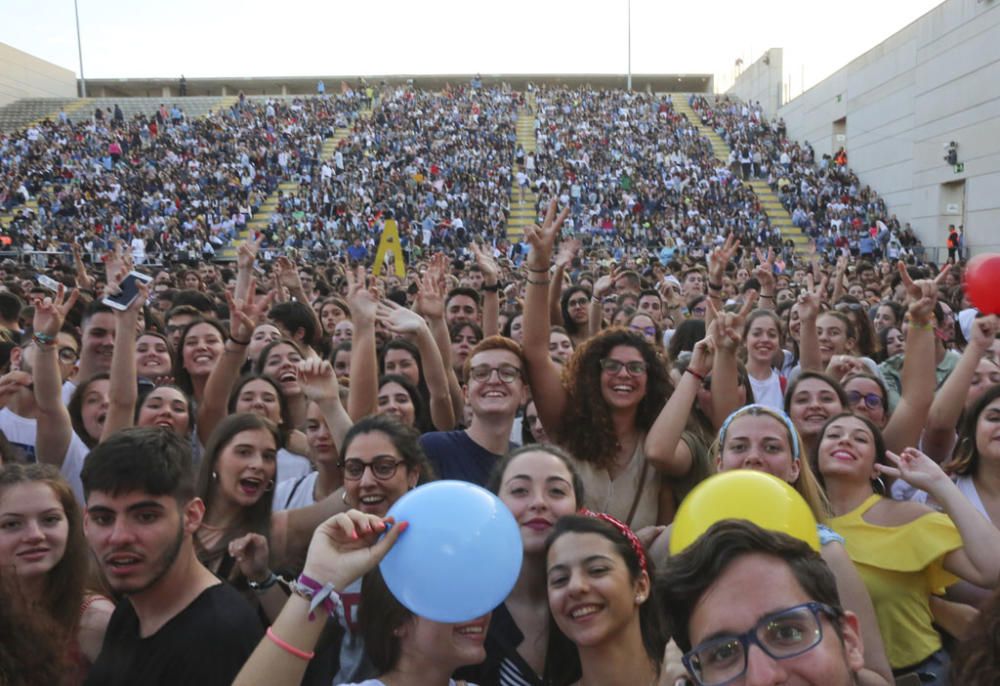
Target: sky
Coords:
[(131, 38)]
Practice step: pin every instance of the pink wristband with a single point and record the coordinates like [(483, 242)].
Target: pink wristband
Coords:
[(288, 647)]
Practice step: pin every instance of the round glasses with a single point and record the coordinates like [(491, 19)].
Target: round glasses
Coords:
[(781, 635), (507, 373), (383, 467)]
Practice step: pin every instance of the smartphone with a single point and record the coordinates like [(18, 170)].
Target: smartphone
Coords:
[(129, 291), (48, 282)]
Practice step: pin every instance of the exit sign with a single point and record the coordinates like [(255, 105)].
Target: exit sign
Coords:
[(960, 167)]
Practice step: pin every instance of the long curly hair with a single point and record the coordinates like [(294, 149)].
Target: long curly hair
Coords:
[(587, 430)]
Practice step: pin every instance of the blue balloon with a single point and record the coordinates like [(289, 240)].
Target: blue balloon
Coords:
[(460, 556)]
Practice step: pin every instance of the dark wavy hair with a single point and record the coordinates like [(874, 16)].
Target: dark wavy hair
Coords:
[(587, 430), (421, 411), (974, 662), (75, 408)]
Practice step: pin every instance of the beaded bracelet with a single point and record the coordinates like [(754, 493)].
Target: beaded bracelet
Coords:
[(42, 338), (700, 377), (540, 283), (238, 341)]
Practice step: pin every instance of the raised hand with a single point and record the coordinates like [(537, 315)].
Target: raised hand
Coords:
[(398, 319), (720, 257), (245, 315), (288, 275), (487, 264), (811, 298), (606, 283), (117, 263), (50, 312), (922, 294), (728, 326), (915, 468), (318, 380), (11, 383), (567, 251), (362, 300), (430, 297), (246, 253), (347, 546), (842, 365), (83, 279), (764, 273), (252, 553), (704, 351), (543, 238)]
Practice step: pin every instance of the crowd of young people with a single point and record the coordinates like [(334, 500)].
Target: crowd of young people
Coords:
[(194, 488)]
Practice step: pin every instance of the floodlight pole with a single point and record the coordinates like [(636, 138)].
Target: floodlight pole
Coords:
[(79, 49), (629, 40)]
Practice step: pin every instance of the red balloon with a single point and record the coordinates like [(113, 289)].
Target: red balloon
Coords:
[(982, 283)]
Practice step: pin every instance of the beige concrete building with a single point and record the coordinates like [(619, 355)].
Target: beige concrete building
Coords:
[(898, 107), (25, 76)]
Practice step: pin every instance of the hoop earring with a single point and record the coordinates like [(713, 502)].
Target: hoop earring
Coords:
[(215, 477), (270, 486), (878, 486), (343, 496)]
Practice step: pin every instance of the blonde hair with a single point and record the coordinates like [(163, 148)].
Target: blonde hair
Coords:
[(807, 485)]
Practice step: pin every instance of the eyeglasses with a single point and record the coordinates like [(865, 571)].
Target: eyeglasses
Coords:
[(648, 330), (781, 635), (634, 368), (849, 307), (872, 400), (577, 302), (383, 467), (68, 355), (507, 373)]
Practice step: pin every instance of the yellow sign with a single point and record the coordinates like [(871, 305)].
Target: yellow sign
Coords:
[(389, 244)]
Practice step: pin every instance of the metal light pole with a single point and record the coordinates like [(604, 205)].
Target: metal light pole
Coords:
[(79, 49), (629, 85)]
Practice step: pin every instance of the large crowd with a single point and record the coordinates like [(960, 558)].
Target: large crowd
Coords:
[(194, 489)]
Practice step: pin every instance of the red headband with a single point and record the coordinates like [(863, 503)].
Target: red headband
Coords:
[(625, 531)]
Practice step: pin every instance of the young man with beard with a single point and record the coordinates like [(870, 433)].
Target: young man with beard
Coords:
[(178, 623)]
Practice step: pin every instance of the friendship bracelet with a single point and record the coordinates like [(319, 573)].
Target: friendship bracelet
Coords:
[(288, 647), (700, 377), (238, 341), (540, 283), (317, 594), (42, 339), (539, 271), (926, 326), (715, 287)]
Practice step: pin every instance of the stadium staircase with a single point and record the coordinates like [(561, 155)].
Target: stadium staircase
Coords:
[(263, 215), (523, 213), (776, 213)]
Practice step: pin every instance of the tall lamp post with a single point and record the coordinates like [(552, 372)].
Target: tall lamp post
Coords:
[(629, 40), (79, 49)]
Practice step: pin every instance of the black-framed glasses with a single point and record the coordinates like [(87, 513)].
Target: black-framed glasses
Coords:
[(634, 368), (383, 467), (871, 400), (849, 307), (507, 373), (68, 355), (781, 635), (577, 302)]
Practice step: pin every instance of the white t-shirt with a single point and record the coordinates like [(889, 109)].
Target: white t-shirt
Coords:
[(291, 465), (22, 432), (295, 493), (768, 392)]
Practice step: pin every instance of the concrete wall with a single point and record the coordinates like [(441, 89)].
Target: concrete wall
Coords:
[(25, 76), (762, 82), (898, 106)]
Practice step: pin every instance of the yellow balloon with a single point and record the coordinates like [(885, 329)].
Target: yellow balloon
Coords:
[(761, 498)]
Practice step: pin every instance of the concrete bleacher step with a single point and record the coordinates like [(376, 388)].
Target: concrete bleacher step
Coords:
[(776, 213), (522, 214)]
